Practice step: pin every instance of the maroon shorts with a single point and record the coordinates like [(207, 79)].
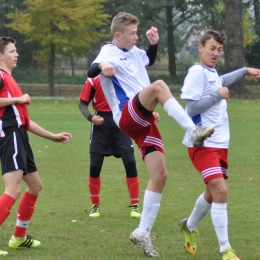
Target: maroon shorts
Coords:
[(143, 130), (212, 163)]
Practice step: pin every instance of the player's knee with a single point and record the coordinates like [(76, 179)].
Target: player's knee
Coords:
[(220, 194), (163, 176), (160, 85), (14, 192), (223, 191), (35, 189)]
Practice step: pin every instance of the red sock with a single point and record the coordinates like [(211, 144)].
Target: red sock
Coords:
[(133, 189), (25, 210), (6, 203), (94, 189)]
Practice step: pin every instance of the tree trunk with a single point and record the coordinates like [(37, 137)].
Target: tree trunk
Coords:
[(257, 16), (51, 66), (212, 15), (233, 52), (170, 41)]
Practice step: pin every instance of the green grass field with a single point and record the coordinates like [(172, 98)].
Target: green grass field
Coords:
[(64, 172)]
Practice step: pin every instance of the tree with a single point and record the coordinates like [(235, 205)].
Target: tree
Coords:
[(167, 15), (252, 54), (61, 27), (170, 14), (257, 16), (210, 14), (233, 52)]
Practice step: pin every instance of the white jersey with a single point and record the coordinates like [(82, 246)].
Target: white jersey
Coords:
[(131, 76), (201, 82)]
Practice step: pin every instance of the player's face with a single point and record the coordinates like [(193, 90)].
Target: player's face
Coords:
[(8, 59), (210, 53), (128, 38)]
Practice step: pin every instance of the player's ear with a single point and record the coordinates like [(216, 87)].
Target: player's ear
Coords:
[(200, 47), (117, 35)]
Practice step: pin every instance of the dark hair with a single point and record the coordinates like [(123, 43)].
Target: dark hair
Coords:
[(5, 41), (220, 37), (121, 20)]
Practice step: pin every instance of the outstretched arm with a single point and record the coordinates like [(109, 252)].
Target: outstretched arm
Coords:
[(38, 130), (254, 72), (234, 76)]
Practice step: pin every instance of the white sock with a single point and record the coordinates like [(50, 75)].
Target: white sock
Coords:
[(176, 111), (151, 207), (220, 222), (200, 210)]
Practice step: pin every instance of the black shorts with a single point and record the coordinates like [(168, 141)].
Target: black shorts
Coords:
[(108, 139), (16, 152)]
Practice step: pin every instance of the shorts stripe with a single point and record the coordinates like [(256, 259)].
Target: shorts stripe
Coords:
[(2, 133), (213, 171), (153, 140), (16, 151), (135, 117)]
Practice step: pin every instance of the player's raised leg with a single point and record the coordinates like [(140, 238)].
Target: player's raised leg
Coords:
[(159, 92)]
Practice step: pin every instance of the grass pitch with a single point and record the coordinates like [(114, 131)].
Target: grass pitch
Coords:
[(64, 172)]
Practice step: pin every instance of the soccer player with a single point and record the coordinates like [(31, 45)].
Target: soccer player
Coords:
[(17, 159), (205, 93), (107, 139), (132, 99)]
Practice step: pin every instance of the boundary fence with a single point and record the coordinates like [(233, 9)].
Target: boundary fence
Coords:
[(68, 83)]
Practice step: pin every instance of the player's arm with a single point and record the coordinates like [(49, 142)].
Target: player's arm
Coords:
[(38, 130), (24, 99), (254, 72), (86, 96), (94, 70), (151, 53), (83, 107), (232, 77), (105, 67), (153, 37), (192, 93), (195, 107)]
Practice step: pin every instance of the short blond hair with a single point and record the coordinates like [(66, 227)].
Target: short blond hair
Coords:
[(121, 20)]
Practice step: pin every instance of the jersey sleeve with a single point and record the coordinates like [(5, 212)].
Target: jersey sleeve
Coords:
[(193, 85), (143, 55), (88, 91), (104, 55)]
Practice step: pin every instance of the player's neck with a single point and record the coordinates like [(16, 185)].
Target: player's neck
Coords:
[(6, 69)]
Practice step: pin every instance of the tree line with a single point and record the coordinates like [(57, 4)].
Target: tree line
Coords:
[(47, 30)]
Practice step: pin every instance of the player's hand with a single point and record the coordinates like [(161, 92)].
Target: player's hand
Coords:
[(152, 35), (97, 120), (108, 69), (254, 72), (24, 99), (223, 92), (62, 137), (156, 116)]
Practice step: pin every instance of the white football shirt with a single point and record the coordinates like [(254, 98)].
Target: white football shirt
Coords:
[(201, 82), (131, 76)]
